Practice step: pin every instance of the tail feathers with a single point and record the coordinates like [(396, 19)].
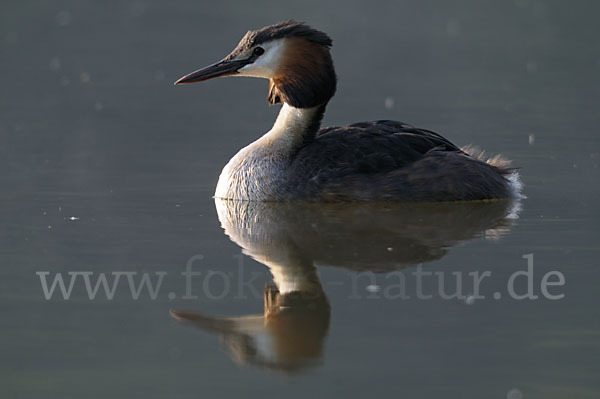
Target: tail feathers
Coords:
[(497, 160), (504, 166)]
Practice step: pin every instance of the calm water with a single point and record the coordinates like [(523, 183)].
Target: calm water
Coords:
[(107, 167)]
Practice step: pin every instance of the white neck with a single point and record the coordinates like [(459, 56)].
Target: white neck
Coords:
[(289, 277), (291, 126)]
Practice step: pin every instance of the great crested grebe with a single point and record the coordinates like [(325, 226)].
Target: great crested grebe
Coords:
[(379, 160)]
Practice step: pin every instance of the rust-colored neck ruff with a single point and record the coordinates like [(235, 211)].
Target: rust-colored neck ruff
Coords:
[(306, 77)]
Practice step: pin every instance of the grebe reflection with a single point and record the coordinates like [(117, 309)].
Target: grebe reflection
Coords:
[(292, 240)]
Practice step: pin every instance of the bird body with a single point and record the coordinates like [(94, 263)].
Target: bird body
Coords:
[(367, 161)]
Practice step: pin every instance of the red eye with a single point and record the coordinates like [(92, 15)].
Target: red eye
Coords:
[(258, 51)]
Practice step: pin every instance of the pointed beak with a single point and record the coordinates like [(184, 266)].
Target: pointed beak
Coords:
[(221, 68)]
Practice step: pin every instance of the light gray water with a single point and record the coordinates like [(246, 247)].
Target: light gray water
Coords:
[(107, 167)]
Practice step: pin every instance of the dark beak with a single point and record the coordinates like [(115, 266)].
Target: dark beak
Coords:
[(221, 68)]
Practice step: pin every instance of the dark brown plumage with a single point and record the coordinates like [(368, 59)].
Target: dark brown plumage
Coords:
[(390, 160)]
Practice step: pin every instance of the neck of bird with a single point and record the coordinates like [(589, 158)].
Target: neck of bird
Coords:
[(291, 271), (254, 173), (294, 127)]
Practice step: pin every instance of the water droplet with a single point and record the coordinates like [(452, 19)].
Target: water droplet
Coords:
[(137, 9), (63, 18), (373, 288), (54, 64), (389, 102), (453, 27), (470, 300), (514, 394), (531, 139)]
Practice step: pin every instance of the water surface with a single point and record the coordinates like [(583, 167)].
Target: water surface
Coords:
[(109, 168)]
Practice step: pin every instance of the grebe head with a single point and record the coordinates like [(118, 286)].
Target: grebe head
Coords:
[(293, 56)]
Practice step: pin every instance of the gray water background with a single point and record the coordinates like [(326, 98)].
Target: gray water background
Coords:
[(92, 128)]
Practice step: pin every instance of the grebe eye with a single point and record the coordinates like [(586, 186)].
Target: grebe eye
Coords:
[(258, 51)]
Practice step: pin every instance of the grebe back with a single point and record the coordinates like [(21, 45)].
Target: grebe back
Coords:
[(368, 161)]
